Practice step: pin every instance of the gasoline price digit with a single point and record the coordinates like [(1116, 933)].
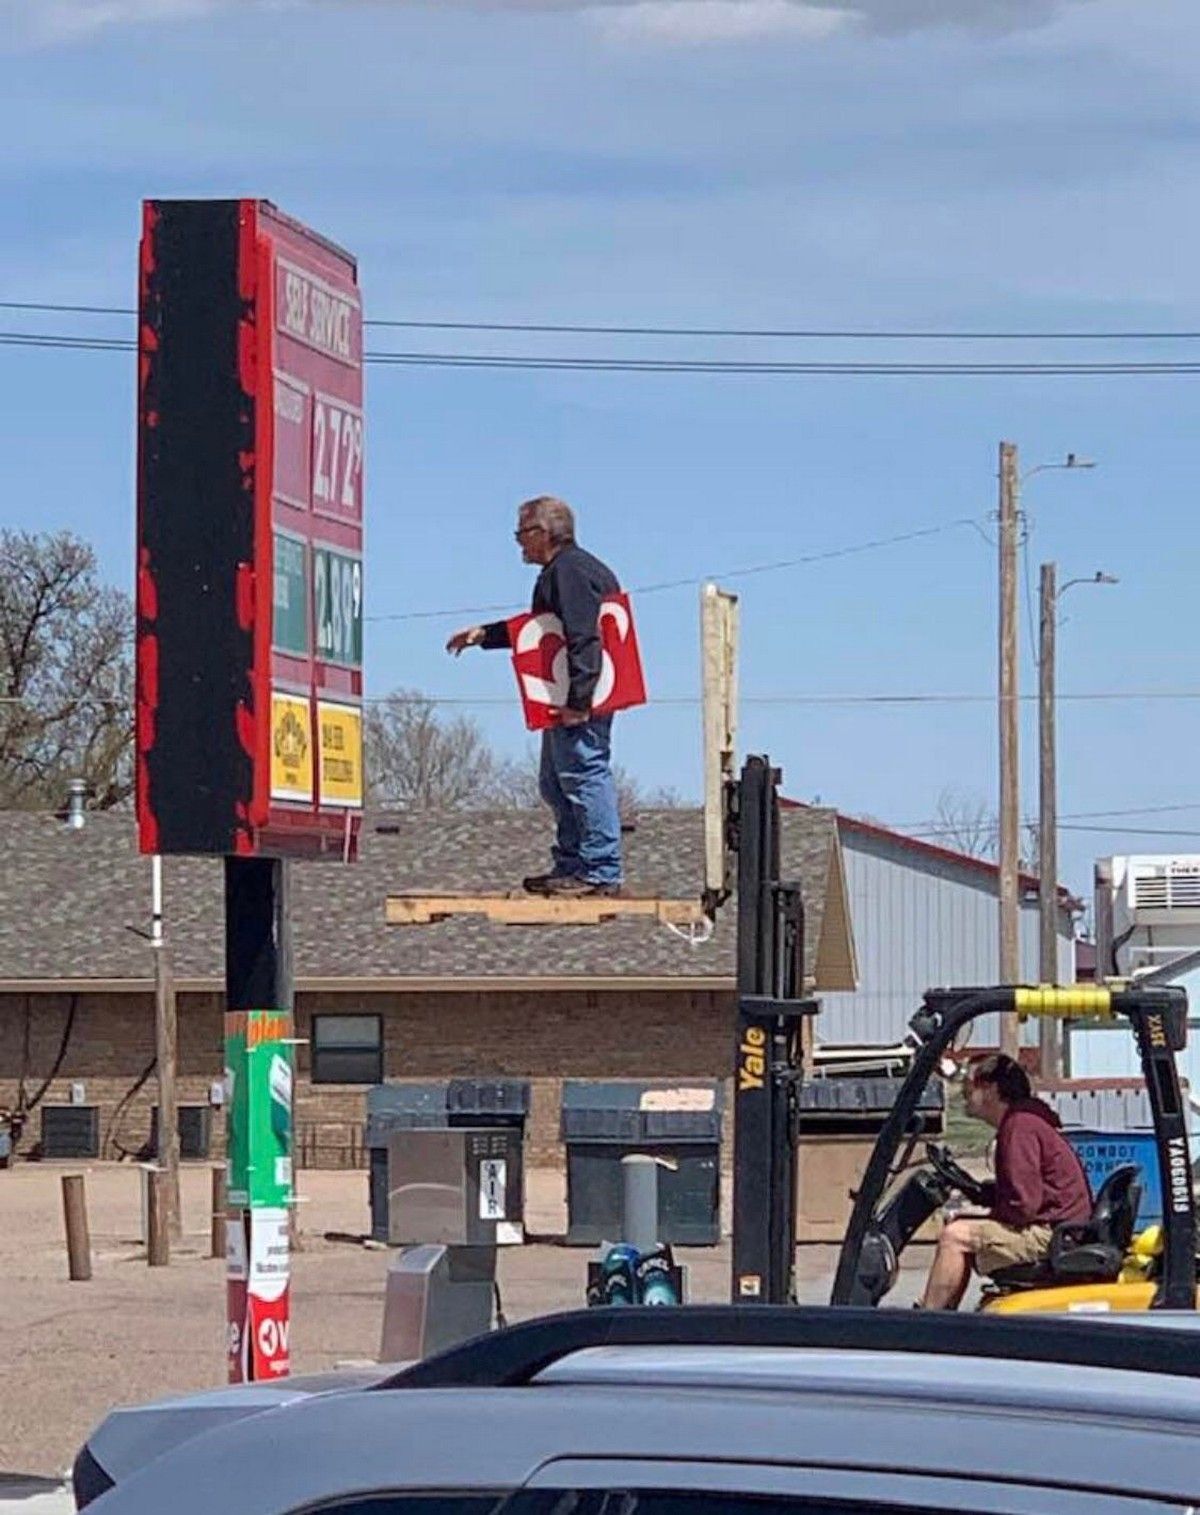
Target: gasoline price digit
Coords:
[(337, 591), (337, 458)]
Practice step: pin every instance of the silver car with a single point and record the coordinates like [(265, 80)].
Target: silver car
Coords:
[(695, 1411)]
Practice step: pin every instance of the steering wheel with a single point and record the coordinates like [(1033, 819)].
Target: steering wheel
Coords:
[(942, 1161)]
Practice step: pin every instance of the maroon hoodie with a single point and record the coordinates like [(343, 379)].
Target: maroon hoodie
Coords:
[(1039, 1177)]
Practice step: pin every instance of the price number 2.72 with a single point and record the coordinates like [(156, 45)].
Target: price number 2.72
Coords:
[(337, 459)]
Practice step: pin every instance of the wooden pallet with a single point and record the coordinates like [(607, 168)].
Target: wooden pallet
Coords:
[(520, 909)]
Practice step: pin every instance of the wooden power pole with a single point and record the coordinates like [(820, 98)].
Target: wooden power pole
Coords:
[(1010, 797), (1050, 1030), (166, 1051)]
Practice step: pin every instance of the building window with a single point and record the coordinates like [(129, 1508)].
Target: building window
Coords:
[(347, 1049)]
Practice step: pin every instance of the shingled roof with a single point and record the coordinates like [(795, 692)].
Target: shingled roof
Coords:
[(68, 901)]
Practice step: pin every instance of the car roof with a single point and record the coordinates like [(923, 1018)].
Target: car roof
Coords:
[(1078, 1428), (945, 1379)]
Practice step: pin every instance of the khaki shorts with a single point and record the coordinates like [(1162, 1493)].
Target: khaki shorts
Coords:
[(1000, 1246)]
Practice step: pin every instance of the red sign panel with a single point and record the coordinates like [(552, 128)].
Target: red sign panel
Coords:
[(315, 507), (258, 1323), (250, 534), (539, 654)]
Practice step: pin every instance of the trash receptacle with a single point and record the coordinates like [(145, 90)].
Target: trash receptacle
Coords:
[(602, 1122), (837, 1121), (454, 1102)]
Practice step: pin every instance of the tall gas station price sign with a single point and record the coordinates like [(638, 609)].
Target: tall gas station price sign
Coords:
[(250, 644), (250, 535)]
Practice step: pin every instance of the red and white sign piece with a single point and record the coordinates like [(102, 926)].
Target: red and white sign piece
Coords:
[(258, 1276), (539, 654)]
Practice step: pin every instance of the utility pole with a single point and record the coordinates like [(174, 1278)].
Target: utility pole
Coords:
[(1050, 1030), (1010, 799), (166, 1052), (1050, 1038)]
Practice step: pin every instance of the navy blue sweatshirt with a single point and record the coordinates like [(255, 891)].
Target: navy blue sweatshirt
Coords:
[(571, 586)]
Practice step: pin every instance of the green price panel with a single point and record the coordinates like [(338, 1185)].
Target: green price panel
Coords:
[(289, 622), (337, 597)]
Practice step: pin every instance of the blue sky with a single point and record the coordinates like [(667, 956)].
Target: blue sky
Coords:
[(915, 163)]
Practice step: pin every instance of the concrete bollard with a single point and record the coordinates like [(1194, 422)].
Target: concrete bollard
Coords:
[(639, 1201)]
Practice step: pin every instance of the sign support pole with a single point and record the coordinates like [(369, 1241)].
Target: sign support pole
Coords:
[(258, 1059)]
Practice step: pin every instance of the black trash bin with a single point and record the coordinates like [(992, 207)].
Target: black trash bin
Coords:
[(456, 1102), (602, 1122)]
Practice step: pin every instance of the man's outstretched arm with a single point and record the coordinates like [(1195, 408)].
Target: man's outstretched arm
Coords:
[(491, 635)]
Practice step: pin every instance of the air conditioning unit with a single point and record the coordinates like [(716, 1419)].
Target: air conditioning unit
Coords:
[(1147, 911)]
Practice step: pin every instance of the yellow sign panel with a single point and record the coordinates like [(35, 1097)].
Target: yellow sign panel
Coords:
[(291, 748), (341, 755)]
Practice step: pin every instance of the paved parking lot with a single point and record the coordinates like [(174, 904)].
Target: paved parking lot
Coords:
[(133, 1333)]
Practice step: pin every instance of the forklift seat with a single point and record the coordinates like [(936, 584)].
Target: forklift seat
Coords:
[(1091, 1251)]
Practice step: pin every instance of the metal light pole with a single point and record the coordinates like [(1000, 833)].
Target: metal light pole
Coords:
[(1050, 1030)]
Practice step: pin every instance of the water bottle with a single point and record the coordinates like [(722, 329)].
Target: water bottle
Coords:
[(655, 1275), (618, 1275)]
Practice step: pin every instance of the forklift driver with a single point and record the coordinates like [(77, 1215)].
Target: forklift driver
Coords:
[(1039, 1182)]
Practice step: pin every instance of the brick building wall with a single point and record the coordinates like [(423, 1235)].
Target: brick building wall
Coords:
[(542, 1035)]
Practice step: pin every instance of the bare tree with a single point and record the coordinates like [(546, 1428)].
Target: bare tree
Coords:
[(965, 822), (516, 788), (66, 674), (418, 761)]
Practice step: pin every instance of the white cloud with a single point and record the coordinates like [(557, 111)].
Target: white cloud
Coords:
[(50, 22), (696, 21)]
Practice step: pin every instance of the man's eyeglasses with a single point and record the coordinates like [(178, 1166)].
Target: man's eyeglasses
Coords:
[(523, 531)]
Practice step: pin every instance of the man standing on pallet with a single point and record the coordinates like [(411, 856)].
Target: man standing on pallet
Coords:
[(576, 778)]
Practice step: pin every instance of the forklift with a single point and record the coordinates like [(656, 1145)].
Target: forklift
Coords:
[(1089, 1267)]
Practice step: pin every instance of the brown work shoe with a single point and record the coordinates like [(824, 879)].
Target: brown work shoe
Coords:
[(573, 887), (539, 883)]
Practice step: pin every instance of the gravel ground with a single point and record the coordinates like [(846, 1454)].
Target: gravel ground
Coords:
[(74, 1350)]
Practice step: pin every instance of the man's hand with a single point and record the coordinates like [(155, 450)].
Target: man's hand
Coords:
[(461, 640), (569, 717)]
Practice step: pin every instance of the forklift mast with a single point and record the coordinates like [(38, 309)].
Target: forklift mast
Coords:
[(768, 1067)]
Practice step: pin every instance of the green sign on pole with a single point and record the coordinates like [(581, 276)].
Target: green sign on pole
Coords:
[(258, 1070), (289, 623), (337, 596)]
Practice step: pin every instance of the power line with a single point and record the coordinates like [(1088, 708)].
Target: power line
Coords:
[(524, 362), (692, 701), (795, 369), (852, 334), (826, 556), (943, 826), (1130, 831), (1092, 830)]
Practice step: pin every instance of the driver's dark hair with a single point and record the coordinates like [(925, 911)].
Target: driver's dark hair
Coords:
[(1010, 1079)]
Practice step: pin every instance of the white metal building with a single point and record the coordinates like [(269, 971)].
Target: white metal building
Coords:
[(925, 916), (1147, 923)]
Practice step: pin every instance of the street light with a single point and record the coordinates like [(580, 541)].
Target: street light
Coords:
[(1050, 1033), (1072, 460)]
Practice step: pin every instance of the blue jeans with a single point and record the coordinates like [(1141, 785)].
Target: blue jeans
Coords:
[(576, 781)]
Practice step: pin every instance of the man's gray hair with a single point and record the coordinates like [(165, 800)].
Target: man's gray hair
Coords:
[(554, 516)]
